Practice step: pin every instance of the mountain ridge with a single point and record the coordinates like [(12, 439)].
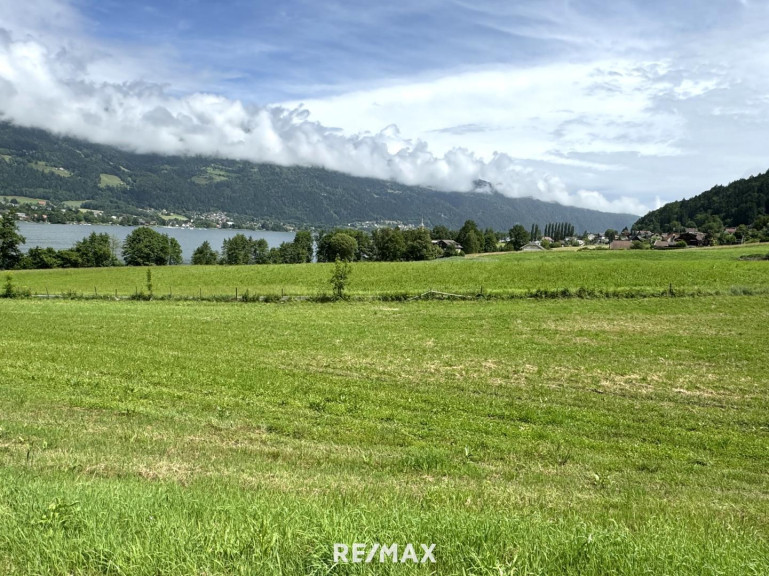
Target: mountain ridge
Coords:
[(740, 202), (39, 164)]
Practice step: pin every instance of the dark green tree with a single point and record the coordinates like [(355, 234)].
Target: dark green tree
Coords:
[(341, 246), (675, 226), (364, 247), (321, 245), (489, 240), (147, 247), (470, 237), (174, 251), (441, 232), (304, 245), (518, 237), (289, 253), (237, 250), (297, 252), (559, 230), (10, 242), (69, 259), (260, 251), (273, 256), (712, 229), (204, 255), (419, 245), (389, 244), (40, 258), (95, 251)]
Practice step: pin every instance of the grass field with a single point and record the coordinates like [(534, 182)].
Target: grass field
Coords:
[(22, 199), (547, 437), (521, 437), (687, 271), (212, 174), (49, 169), (107, 180)]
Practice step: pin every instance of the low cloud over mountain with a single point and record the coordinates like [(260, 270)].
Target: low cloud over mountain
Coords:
[(54, 89)]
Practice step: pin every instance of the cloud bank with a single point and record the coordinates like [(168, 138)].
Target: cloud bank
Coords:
[(58, 88)]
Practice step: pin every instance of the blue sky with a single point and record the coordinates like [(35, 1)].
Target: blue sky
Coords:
[(615, 106), (298, 49), (268, 52)]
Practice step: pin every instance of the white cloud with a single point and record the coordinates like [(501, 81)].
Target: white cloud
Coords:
[(524, 112), (55, 91)]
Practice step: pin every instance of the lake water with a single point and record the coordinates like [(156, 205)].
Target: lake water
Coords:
[(62, 236)]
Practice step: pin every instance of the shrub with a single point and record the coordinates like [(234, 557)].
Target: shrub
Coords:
[(339, 278)]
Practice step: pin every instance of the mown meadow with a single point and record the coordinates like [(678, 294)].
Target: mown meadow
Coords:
[(709, 270), (560, 436)]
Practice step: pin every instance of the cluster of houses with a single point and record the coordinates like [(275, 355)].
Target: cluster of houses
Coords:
[(625, 240), (590, 239), (689, 237)]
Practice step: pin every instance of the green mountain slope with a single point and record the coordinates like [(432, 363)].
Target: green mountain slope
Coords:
[(37, 164), (740, 202)]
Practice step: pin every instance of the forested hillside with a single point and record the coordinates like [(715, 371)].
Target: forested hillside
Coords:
[(740, 202), (34, 163)]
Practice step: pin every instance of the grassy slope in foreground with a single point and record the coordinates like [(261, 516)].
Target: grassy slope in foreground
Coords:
[(689, 270), (558, 437)]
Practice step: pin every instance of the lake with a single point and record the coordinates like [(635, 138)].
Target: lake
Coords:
[(62, 236)]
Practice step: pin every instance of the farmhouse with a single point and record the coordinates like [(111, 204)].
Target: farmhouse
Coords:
[(621, 245), (692, 237), (443, 244), (641, 235)]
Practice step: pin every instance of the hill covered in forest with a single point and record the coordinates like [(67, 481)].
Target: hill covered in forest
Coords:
[(741, 202), (37, 164)]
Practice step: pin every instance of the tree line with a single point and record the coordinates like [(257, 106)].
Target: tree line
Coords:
[(147, 247), (142, 247), (381, 245), (559, 231)]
